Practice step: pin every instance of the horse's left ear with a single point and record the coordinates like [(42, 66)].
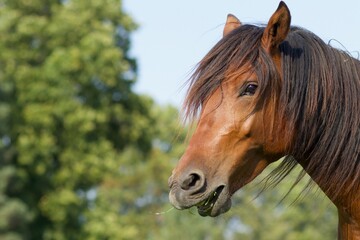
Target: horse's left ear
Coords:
[(277, 29), (232, 22)]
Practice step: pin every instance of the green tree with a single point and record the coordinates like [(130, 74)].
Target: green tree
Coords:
[(135, 194), (67, 112)]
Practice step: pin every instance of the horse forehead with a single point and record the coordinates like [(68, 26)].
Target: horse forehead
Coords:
[(218, 104), (227, 93), (236, 76)]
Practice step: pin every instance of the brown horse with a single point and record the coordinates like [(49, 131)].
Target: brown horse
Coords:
[(263, 93)]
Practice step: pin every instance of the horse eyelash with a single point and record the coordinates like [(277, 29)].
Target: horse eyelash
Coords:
[(245, 86)]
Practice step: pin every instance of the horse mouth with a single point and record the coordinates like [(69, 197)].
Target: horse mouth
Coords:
[(215, 204)]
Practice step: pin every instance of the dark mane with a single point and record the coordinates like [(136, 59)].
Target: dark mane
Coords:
[(317, 100)]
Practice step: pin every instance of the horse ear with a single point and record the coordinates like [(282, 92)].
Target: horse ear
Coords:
[(277, 28), (232, 22)]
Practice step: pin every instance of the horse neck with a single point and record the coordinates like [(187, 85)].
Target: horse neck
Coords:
[(349, 214), (349, 221)]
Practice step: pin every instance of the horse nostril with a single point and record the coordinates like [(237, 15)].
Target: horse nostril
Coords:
[(192, 181)]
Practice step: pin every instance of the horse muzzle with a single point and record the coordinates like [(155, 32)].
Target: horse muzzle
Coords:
[(192, 190)]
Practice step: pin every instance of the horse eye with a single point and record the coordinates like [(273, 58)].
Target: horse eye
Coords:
[(249, 90)]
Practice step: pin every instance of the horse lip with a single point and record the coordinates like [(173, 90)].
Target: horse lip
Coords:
[(170, 181), (219, 203), (216, 203)]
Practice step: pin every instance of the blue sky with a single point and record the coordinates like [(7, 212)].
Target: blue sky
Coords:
[(174, 35)]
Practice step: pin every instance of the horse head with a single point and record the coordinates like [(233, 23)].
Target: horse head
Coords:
[(231, 144)]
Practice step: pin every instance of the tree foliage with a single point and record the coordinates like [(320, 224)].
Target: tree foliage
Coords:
[(84, 157), (67, 111)]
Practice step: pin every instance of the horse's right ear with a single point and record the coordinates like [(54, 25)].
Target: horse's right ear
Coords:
[(277, 29), (232, 22)]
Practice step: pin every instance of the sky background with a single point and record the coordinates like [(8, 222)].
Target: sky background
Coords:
[(173, 36)]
